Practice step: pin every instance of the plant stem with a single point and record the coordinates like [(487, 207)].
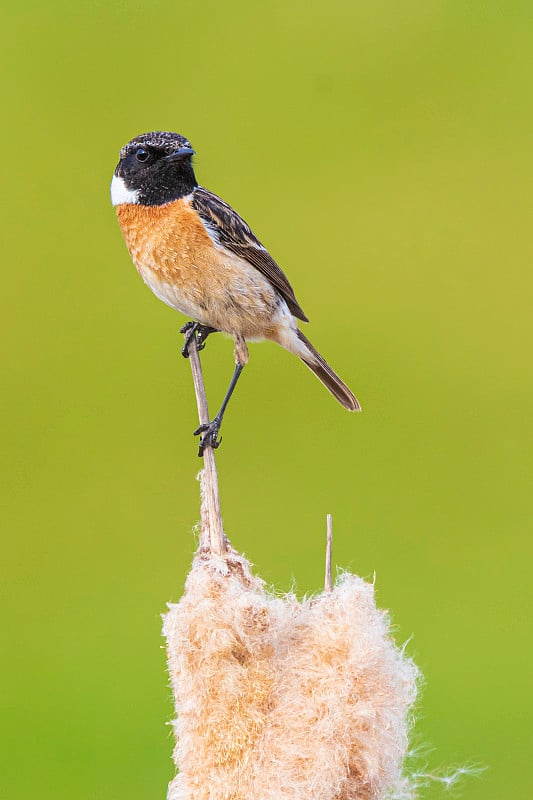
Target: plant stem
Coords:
[(212, 532), (328, 582)]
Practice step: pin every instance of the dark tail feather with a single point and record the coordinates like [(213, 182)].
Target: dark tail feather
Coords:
[(330, 379)]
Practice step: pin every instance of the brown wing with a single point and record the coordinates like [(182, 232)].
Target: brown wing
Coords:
[(233, 233)]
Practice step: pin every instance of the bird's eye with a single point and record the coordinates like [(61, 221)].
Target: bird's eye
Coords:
[(142, 155)]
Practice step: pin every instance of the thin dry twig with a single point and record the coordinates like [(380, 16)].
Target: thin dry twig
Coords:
[(328, 582), (212, 533)]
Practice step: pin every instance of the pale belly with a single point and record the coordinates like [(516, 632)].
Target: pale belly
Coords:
[(230, 295), (170, 294)]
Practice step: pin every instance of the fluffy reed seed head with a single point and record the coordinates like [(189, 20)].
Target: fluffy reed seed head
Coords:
[(278, 699)]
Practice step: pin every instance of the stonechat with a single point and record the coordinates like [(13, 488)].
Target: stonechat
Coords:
[(201, 258)]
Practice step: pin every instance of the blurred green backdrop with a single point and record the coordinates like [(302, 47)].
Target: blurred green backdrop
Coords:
[(383, 153)]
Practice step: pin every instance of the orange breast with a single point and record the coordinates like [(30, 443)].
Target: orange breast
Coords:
[(170, 239)]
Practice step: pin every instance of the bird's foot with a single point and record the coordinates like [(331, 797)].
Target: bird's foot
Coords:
[(195, 329), (203, 331), (208, 433), (190, 329)]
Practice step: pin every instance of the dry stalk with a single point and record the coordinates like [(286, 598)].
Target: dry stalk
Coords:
[(328, 582), (212, 532)]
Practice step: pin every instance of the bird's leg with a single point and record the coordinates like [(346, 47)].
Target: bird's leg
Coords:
[(201, 332), (211, 429)]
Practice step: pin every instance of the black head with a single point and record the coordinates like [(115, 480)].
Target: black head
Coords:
[(154, 168)]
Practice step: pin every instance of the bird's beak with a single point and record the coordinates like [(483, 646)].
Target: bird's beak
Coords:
[(183, 152)]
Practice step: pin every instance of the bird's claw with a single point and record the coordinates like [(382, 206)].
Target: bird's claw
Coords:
[(209, 438), (190, 329), (195, 329)]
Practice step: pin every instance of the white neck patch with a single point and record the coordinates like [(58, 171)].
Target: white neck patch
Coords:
[(121, 194)]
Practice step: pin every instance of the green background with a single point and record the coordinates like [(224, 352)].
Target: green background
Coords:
[(383, 152)]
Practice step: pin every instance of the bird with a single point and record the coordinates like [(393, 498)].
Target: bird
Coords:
[(201, 258)]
